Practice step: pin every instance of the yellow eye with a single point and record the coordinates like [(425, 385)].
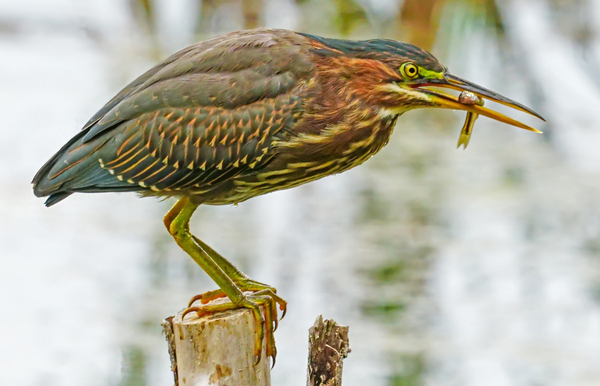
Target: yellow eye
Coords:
[(409, 70)]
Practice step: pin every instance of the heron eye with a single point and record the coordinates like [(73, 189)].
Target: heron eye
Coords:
[(409, 70)]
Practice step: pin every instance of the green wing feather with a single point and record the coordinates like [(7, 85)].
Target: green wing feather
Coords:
[(194, 148)]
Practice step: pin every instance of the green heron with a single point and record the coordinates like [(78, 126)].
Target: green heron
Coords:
[(246, 114)]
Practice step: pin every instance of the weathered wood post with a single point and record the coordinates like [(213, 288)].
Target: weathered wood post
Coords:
[(216, 350), (328, 346)]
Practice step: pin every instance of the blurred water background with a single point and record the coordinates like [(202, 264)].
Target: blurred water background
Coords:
[(451, 267)]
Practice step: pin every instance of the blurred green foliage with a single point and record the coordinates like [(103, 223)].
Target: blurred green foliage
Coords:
[(408, 370), (134, 366)]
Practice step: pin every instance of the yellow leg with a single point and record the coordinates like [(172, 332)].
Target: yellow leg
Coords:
[(242, 281), (177, 222), (173, 212)]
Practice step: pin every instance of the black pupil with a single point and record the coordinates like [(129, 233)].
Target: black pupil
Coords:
[(411, 70)]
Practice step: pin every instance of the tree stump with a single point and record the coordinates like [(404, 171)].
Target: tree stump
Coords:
[(216, 350), (328, 346)]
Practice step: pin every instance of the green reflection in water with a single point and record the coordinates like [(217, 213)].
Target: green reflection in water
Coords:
[(134, 367), (408, 370)]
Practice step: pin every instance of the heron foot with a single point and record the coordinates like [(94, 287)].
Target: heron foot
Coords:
[(247, 285), (265, 326)]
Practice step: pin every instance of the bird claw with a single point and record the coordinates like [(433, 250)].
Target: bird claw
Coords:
[(209, 296), (265, 326)]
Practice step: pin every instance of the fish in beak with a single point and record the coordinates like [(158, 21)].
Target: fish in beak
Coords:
[(467, 97), (471, 101)]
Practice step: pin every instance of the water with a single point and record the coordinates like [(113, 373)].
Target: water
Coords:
[(450, 267)]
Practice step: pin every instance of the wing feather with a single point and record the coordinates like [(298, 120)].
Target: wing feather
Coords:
[(200, 148)]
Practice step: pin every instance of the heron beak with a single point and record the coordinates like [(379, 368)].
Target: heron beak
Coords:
[(448, 101)]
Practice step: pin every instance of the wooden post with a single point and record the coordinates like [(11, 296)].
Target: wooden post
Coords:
[(328, 346), (216, 350)]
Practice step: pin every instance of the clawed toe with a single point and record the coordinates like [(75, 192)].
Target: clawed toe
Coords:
[(209, 296), (265, 325)]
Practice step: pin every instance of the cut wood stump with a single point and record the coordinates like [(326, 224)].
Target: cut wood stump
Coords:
[(216, 350)]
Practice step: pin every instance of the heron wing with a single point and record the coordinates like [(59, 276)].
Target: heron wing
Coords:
[(203, 115)]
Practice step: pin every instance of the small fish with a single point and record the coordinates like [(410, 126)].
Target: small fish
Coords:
[(468, 98), (465, 133)]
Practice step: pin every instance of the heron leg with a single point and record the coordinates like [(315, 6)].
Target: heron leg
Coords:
[(242, 281), (177, 222)]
